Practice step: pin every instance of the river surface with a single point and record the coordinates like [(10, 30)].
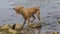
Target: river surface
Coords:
[(49, 9)]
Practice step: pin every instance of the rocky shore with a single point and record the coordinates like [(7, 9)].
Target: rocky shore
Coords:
[(7, 28)]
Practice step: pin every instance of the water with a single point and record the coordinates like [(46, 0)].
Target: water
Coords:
[(50, 11)]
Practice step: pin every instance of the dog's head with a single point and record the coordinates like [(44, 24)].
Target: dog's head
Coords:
[(18, 9)]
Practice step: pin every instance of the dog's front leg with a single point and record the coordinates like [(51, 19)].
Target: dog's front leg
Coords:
[(24, 22), (28, 25)]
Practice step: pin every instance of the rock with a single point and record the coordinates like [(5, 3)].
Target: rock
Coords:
[(55, 32), (5, 26), (37, 25), (3, 33), (0, 32), (12, 31), (59, 21), (18, 26)]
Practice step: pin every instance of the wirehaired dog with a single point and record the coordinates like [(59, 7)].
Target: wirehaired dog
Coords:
[(27, 13)]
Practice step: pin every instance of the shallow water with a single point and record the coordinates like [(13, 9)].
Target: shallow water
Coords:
[(50, 12)]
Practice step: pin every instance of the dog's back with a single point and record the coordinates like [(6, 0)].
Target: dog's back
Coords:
[(33, 10)]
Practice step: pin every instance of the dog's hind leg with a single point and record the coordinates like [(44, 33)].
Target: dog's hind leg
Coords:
[(38, 15), (33, 18)]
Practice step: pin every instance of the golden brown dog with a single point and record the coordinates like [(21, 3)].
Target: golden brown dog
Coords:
[(27, 12)]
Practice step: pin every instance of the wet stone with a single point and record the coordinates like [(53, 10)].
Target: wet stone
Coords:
[(55, 32), (59, 21), (5, 26)]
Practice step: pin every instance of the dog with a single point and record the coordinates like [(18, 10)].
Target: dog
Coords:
[(27, 13)]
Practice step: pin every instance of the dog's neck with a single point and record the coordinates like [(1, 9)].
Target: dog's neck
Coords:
[(21, 12)]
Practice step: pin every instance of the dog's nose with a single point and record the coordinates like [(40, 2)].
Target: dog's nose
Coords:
[(14, 8)]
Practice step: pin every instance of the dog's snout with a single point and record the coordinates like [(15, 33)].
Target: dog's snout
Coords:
[(14, 8)]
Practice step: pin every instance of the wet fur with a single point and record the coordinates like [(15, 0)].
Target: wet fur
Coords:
[(27, 12)]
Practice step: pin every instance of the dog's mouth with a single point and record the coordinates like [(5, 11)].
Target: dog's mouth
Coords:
[(17, 12)]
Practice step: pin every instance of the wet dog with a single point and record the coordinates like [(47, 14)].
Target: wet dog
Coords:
[(27, 13)]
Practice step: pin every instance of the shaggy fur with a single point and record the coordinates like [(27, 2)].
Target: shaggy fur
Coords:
[(27, 12)]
